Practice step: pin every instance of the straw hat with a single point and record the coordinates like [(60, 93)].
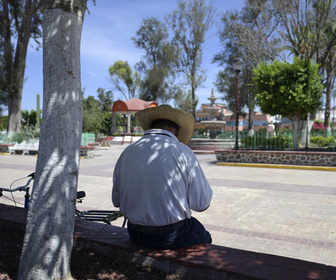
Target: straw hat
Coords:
[(184, 120)]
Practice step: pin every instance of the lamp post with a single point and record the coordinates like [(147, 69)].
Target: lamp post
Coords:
[(237, 67)]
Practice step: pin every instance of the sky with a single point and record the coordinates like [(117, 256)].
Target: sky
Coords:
[(106, 38)]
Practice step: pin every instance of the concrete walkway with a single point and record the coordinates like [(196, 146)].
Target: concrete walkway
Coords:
[(285, 212)]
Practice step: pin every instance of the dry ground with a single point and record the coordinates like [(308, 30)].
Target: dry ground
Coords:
[(85, 264)]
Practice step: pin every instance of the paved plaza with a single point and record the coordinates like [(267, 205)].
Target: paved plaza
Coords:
[(283, 212)]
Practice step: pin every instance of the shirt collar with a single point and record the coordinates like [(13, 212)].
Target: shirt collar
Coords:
[(161, 132)]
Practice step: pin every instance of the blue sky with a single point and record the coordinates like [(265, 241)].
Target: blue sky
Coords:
[(106, 37)]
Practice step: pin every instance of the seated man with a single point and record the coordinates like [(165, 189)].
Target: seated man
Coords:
[(158, 180)]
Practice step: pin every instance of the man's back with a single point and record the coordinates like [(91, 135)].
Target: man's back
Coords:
[(157, 180)]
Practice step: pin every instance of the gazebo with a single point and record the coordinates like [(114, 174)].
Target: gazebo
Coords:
[(129, 107)]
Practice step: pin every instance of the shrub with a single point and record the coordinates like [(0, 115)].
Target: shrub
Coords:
[(322, 141)]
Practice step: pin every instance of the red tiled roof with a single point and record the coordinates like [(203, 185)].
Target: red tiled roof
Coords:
[(132, 105)]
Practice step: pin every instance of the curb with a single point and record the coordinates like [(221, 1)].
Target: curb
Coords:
[(201, 261), (279, 166)]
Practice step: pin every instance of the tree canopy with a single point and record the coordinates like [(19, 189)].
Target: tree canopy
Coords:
[(291, 90), (123, 79), (158, 65)]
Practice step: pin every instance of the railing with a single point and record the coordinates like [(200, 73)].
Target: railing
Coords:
[(88, 138), (12, 138), (279, 141)]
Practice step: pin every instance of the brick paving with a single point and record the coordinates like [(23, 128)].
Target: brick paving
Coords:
[(282, 212)]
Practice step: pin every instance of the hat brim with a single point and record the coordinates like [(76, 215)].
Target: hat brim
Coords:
[(184, 120)]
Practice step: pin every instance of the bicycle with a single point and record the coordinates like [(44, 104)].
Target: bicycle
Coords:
[(105, 216), (24, 188)]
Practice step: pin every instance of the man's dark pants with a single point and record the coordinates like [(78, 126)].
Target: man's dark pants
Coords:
[(183, 234)]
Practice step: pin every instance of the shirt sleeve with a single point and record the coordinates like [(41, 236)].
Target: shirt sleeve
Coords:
[(199, 192), (115, 188)]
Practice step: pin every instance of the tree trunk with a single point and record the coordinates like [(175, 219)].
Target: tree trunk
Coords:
[(328, 87), (14, 110), (15, 65), (301, 131), (305, 133), (295, 128), (194, 104), (50, 224), (250, 122)]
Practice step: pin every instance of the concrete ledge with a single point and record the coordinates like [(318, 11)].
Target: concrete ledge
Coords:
[(294, 158), (278, 166), (203, 261)]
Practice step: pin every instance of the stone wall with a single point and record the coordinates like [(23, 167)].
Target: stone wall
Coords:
[(278, 157)]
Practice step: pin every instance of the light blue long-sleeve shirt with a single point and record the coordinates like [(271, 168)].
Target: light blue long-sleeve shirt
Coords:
[(158, 181)]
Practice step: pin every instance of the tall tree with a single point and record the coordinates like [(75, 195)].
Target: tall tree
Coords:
[(240, 34), (50, 222), (159, 61), (308, 27), (190, 23), (299, 27), (19, 21), (123, 79)]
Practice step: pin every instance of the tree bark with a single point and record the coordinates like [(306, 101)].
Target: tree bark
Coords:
[(50, 224)]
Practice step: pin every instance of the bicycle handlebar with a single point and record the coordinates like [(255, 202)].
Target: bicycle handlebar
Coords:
[(25, 188), (21, 188)]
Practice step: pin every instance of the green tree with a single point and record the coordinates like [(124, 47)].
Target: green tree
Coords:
[(291, 90), (159, 62), (190, 23), (97, 114), (92, 115), (20, 20), (123, 79), (106, 101)]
